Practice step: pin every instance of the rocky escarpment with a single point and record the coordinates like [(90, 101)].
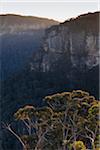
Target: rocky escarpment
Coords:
[(77, 38), (71, 53)]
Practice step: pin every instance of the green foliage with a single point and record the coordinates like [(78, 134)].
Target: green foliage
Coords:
[(30, 141), (25, 113), (79, 145), (70, 119)]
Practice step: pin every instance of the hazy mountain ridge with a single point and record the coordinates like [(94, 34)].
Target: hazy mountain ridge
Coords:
[(20, 37), (15, 23)]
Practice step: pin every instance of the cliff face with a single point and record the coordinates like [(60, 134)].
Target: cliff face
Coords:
[(77, 39), (70, 54)]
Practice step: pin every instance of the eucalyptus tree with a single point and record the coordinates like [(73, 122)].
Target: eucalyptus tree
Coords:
[(78, 116), (69, 121), (36, 123)]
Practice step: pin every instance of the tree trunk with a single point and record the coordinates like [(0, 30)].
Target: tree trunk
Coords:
[(64, 147)]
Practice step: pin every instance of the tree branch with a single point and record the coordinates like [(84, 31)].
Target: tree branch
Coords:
[(8, 127)]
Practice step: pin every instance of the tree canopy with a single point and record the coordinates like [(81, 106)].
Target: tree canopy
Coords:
[(70, 120)]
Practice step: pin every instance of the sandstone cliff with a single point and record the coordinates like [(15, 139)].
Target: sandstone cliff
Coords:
[(77, 38)]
